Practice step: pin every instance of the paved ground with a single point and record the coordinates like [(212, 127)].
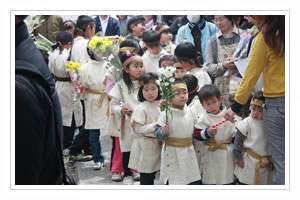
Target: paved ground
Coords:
[(87, 176)]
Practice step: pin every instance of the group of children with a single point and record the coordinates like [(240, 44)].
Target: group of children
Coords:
[(197, 145)]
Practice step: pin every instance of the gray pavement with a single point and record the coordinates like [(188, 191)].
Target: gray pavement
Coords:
[(88, 176)]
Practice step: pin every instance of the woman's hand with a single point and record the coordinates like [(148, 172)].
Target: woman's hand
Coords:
[(229, 63), (230, 115)]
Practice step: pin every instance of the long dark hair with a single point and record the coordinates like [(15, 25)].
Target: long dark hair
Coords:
[(273, 31), (62, 38), (83, 21)]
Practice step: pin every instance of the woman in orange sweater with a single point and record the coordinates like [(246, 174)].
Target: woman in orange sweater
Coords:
[(268, 57)]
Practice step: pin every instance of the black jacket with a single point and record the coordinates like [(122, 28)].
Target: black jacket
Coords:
[(112, 29), (38, 121)]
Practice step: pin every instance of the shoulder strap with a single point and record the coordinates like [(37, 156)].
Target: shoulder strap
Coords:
[(26, 68)]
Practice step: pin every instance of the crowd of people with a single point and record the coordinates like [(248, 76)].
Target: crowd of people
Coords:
[(220, 129)]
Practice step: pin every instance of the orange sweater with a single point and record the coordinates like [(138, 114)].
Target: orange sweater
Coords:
[(262, 60)]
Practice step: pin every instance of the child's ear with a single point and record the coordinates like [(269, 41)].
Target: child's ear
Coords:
[(132, 26), (126, 69), (221, 98)]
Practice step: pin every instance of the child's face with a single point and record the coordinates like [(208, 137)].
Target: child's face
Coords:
[(180, 72), (90, 31), (256, 112), (135, 70), (153, 50), (150, 92), (138, 29), (181, 98), (167, 63), (212, 105), (165, 37), (186, 65)]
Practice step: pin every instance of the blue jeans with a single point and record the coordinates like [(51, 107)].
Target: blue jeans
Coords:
[(94, 139), (274, 121)]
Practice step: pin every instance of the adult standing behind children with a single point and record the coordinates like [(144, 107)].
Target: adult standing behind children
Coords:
[(107, 25), (197, 31), (219, 51), (268, 57), (123, 21)]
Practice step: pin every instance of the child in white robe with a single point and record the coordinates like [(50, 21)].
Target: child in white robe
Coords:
[(253, 164), (146, 149)]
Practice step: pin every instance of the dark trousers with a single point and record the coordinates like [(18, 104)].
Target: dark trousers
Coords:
[(69, 133), (81, 141), (125, 160), (192, 183), (147, 178)]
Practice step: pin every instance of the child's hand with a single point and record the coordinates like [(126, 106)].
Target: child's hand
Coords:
[(132, 124), (240, 163), (165, 129), (212, 130), (125, 111)]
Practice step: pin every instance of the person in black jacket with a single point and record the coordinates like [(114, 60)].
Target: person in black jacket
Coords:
[(38, 121), (107, 25)]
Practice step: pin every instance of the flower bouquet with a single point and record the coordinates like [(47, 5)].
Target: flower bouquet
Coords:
[(106, 48), (74, 70), (165, 82)]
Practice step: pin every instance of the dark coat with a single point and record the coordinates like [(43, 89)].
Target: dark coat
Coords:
[(112, 29), (38, 120)]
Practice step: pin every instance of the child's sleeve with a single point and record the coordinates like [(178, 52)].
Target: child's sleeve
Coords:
[(158, 129), (139, 117), (201, 130), (238, 145), (115, 104)]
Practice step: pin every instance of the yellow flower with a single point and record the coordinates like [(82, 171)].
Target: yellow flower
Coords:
[(93, 44), (122, 39), (77, 65)]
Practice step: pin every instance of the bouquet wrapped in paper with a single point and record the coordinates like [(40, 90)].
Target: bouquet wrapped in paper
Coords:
[(74, 70), (106, 48)]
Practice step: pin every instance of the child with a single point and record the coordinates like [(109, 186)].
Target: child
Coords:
[(116, 166), (251, 147), (84, 30), (136, 27), (188, 58), (180, 71), (165, 37), (178, 159), (92, 78), (71, 108), (132, 70), (195, 105), (166, 61), (146, 149), (217, 162), (69, 25), (152, 55)]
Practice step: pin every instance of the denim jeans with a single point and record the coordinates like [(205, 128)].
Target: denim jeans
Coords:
[(94, 138), (274, 121)]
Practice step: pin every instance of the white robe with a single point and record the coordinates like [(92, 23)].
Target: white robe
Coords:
[(151, 62), (146, 149), (69, 102), (114, 124), (179, 164), (202, 76), (217, 166), (92, 77), (256, 140)]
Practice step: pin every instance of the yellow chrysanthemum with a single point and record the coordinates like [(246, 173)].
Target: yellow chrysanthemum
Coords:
[(93, 44)]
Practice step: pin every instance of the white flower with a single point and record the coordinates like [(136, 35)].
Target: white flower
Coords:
[(166, 84), (172, 80), (169, 71)]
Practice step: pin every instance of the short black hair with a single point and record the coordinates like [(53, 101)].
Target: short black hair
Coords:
[(208, 91), (166, 57), (146, 78), (191, 81), (186, 51), (151, 38), (259, 95), (134, 20), (160, 25), (132, 43)]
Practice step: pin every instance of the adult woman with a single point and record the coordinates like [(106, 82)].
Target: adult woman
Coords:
[(219, 50), (268, 57)]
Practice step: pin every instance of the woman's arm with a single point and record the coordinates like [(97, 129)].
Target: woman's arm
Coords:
[(214, 69)]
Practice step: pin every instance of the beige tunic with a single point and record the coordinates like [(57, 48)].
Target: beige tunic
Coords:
[(79, 51), (201, 75), (146, 149), (256, 140), (179, 165), (151, 62), (92, 77), (198, 111), (126, 139), (217, 166), (66, 91)]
